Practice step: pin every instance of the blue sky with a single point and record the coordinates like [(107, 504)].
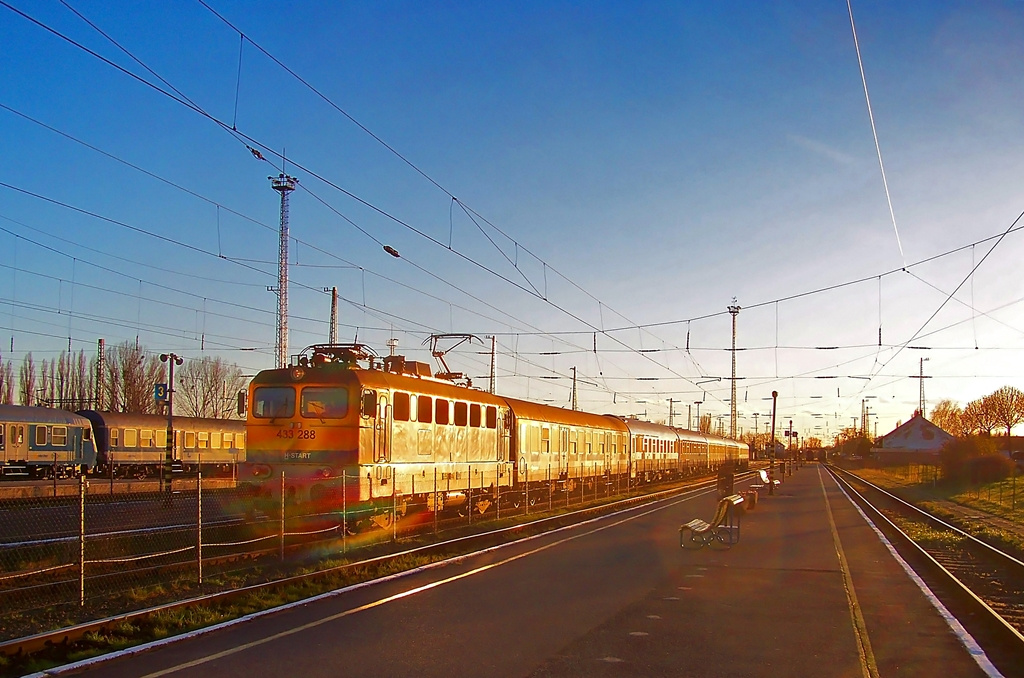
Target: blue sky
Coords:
[(663, 157)]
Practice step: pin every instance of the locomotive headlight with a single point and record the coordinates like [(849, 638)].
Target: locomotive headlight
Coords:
[(261, 471), (298, 373)]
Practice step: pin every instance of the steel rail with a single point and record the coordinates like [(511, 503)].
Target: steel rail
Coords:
[(1005, 631), (31, 644), (932, 518)]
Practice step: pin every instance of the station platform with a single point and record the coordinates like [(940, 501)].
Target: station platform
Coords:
[(810, 589)]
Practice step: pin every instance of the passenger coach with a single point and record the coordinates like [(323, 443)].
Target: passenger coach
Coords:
[(41, 442)]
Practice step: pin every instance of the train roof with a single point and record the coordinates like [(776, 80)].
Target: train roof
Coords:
[(330, 375), (559, 415), (640, 427), (125, 419), (40, 415)]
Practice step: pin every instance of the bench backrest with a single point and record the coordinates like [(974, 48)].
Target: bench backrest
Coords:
[(764, 476), (723, 509)]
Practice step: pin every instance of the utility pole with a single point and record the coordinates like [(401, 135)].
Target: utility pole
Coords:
[(671, 401), (171, 359), (771, 440), (734, 310), (574, 388), (101, 370), (284, 185), (494, 357), (332, 336), (920, 407)]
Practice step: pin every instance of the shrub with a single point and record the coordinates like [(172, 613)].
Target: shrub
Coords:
[(974, 459)]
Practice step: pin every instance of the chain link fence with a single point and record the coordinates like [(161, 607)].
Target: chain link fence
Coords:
[(96, 548)]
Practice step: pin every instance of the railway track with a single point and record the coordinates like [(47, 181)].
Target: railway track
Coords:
[(982, 586), (397, 551)]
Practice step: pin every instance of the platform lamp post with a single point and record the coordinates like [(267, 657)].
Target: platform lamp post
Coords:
[(771, 438), (171, 359)]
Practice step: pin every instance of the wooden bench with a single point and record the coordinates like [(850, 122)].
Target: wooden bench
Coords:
[(723, 528), (762, 475)]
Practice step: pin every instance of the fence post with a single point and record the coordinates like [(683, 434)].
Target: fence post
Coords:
[(344, 510), (435, 500), (54, 474), (469, 496), (550, 493), (281, 548), (527, 486), (497, 491), (394, 506), (199, 526), (82, 484)]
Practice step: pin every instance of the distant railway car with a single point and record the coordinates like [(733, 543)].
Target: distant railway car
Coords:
[(135, 445), (37, 442), (553, 448)]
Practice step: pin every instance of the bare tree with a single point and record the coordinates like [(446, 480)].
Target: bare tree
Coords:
[(207, 387), (979, 416), (704, 425), (7, 391), (948, 416), (27, 380), (1007, 407), (131, 377)]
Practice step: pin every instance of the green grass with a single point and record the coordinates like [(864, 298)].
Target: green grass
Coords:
[(924, 487)]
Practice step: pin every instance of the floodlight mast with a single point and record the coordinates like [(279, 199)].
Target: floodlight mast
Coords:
[(284, 185), (734, 310)]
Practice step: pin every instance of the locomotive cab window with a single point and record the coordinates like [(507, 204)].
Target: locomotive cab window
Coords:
[(424, 409), (492, 416), (40, 435), (474, 415), (461, 411), (269, 402), (441, 411), (86, 435), (324, 403), (369, 404), (401, 406), (59, 436)]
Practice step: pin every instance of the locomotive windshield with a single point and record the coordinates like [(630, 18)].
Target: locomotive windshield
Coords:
[(269, 402), (324, 403)]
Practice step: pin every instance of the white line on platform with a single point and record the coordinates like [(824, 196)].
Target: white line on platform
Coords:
[(965, 638)]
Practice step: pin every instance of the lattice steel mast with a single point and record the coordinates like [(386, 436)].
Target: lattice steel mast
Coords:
[(284, 185), (735, 311)]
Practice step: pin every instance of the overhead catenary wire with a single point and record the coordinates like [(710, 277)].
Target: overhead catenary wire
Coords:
[(874, 132)]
